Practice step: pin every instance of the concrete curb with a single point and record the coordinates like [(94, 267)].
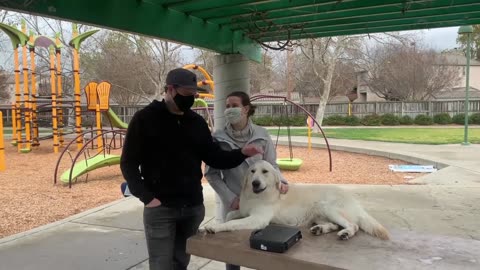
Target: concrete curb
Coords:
[(408, 158), (20, 235)]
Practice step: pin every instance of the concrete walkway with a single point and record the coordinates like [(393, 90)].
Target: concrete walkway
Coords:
[(111, 236)]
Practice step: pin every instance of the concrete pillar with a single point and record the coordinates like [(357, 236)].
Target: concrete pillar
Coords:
[(230, 74)]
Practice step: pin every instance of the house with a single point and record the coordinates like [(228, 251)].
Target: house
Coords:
[(458, 93), (459, 60), (455, 58)]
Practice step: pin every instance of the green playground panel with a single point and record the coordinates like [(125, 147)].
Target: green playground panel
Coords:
[(90, 164), (289, 164)]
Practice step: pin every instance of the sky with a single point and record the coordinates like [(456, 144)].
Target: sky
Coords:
[(438, 39)]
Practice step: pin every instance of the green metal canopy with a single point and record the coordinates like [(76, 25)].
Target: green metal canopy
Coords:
[(239, 26)]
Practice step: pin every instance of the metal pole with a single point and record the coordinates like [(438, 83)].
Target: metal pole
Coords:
[(465, 140)]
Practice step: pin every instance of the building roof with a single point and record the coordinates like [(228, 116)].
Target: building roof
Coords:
[(457, 59), (458, 93)]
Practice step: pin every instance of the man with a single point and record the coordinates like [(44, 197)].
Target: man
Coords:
[(165, 145)]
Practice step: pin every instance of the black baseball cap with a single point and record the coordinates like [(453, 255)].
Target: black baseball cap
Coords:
[(184, 78)]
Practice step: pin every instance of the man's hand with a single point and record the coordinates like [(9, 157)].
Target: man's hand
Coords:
[(251, 150), (283, 188), (235, 203), (154, 203)]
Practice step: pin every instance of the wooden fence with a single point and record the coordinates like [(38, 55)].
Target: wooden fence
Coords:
[(411, 109)]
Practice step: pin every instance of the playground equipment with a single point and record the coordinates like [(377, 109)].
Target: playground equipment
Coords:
[(75, 43), (208, 81), (98, 100), (292, 163), (25, 111), (94, 156), (202, 105), (352, 96), (18, 39), (2, 145)]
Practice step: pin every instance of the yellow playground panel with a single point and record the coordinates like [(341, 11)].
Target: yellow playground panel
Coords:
[(207, 81)]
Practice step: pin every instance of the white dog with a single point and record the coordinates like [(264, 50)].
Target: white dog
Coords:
[(325, 208)]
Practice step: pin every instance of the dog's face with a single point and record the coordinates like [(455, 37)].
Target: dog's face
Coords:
[(261, 177)]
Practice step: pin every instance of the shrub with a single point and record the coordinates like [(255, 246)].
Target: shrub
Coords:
[(423, 120), (352, 121), (263, 121), (372, 120), (334, 120), (406, 120), (459, 119), (298, 120), (475, 118), (442, 119), (390, 120)]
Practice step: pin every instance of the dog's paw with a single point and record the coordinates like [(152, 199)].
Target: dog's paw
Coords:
[(344, 235), (209, 229), (316, 230)]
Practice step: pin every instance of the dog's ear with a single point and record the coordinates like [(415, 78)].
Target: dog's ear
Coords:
[(276, 175), (245, 179)]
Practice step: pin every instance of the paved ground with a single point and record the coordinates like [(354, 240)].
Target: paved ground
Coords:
[(111, 236)]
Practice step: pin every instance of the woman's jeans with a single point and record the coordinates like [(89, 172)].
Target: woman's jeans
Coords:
[(167, 231)]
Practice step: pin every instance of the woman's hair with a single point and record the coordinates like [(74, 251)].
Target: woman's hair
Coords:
[(245, 101)]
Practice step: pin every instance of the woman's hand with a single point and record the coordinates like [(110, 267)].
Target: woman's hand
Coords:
[(283, 188)]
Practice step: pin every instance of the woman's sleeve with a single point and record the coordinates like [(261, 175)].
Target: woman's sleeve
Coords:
[(214, 178)]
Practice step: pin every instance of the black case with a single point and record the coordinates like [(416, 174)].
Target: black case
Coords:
[(275, 238)]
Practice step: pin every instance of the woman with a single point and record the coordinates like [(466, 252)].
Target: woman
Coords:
[(239, 131)]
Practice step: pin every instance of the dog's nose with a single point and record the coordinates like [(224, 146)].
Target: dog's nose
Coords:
[(256, 183)]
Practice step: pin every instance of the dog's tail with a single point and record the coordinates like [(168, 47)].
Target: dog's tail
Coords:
[(372, 226)]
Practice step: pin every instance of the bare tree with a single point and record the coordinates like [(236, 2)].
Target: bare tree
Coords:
[(4, 92), (164, 55), (462, 40), (317, 63), (117, 59), (261, 74), (408, 72), (205, 58)]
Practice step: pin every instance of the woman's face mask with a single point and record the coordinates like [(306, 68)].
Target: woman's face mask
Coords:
[(234, 115)]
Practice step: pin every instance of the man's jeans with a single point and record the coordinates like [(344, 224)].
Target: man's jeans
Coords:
[(166, 231)]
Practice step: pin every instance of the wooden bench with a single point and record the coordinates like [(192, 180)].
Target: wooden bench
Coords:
[(406, 250)]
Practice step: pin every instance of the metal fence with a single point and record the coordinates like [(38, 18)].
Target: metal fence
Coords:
[(411, 109)]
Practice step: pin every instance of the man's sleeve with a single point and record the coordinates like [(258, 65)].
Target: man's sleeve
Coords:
[(213, 155), (130, 161)]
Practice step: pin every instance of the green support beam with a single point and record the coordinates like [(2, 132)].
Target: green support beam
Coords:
[(374, 13), (373, 24), (371, 30), (235, 26), (147, 18)]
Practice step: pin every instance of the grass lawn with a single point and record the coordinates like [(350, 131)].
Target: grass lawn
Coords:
[(406, 135)]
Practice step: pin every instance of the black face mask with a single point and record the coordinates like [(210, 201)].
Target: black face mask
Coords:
[(184, 103)]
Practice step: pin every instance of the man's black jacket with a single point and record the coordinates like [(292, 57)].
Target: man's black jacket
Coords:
[(163, 154)]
